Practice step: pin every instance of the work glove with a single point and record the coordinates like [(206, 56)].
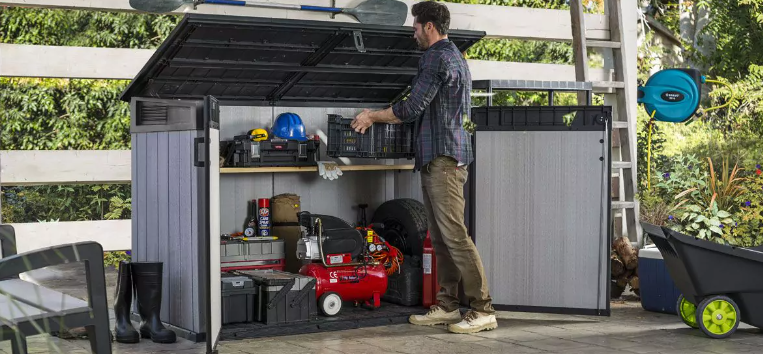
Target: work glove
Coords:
[(329, 170)]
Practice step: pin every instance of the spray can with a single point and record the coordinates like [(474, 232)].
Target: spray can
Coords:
[(263, 217)]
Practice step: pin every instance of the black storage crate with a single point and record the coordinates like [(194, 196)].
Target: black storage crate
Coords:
[(238, 294), (503, 118), (405, 288), (381, 140), (243, 152), (283, 297)]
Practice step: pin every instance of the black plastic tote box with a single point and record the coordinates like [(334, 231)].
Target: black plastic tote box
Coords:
[(238, 299)]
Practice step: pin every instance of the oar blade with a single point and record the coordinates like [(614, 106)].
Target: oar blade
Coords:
[(157, 6), (380, 12)]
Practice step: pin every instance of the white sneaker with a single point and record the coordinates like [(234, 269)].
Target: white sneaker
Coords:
[(436, 315), (474, 322)]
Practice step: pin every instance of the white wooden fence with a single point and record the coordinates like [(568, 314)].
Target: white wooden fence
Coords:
[(77, 167)]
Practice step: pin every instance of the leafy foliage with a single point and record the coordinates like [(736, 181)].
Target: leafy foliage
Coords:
[(705, 208), (737, 31), (53, 114), (113, 258), (722, 193), (58, 114), (66, 203), (84, 28)]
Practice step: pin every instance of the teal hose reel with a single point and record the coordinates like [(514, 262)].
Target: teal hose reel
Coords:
[(672, 95)]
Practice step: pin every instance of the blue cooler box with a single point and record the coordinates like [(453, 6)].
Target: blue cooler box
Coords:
[(658, 292)]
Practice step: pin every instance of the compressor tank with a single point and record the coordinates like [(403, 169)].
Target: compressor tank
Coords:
[(352, 283)]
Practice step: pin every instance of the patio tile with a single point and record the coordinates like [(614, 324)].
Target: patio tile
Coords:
[(504, 347), (555, 344), (602, 340), (511, 335)]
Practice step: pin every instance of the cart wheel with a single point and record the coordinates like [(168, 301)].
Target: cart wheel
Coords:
[(330, 304), (718, 316), (687, 312)]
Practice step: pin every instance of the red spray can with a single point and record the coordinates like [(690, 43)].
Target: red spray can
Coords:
[(431, 287), (263, 217)]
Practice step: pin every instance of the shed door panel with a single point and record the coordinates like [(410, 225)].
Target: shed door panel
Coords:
[(540, 221)]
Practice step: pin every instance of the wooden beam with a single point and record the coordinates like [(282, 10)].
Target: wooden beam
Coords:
[(579, 48), (81, 62), (40, 167), (497, 21), (71, 62), (113, 235), (496, 70)]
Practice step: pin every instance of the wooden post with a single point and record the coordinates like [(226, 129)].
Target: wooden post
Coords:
[(579, 47)]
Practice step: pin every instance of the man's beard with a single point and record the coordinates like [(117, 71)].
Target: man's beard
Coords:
[(422, 43)]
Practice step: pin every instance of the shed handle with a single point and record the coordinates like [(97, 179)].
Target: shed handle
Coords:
[(196, 143)]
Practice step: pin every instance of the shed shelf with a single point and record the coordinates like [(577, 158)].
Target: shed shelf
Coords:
[(313, 168)]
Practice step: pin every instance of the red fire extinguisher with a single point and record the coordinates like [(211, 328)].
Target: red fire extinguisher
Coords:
[(431, 287)]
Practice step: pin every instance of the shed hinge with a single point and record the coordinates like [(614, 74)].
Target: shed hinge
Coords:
[(358, 36)]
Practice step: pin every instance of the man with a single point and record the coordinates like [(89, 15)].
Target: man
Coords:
[(440, 105)]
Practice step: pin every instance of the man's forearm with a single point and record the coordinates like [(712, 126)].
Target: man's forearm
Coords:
[(385, 116)]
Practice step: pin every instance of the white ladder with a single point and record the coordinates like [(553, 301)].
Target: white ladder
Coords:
[(624, 124)]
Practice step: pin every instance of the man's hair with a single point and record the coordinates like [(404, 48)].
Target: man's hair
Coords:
[(430, 11)]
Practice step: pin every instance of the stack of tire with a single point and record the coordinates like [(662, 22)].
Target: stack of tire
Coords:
[(405, 227)]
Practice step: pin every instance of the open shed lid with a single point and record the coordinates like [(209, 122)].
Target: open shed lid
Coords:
[(263, 61)]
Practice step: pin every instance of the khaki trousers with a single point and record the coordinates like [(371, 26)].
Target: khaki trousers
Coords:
[(443, 182)]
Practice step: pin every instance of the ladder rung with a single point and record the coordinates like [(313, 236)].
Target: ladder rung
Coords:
[(623, 205), (603, 44), (608, 84), (622, 164), (619, 125)]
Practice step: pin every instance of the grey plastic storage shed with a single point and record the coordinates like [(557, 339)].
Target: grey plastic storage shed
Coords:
[(215, 77), (539, 201)]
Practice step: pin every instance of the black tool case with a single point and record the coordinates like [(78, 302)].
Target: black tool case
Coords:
[(238, 298), (283, 297), (243, 152)]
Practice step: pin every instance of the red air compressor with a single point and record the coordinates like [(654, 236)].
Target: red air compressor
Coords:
[(349, 264)]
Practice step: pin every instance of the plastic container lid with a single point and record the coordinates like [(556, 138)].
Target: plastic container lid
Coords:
[(239, 282), (650, 252)]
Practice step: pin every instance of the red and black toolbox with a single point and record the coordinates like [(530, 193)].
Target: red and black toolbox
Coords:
[(276, 152)]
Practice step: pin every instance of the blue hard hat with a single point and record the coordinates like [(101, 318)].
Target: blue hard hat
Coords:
[(289, 126)]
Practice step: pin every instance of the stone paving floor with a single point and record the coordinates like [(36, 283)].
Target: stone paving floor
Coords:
[(630, 329)]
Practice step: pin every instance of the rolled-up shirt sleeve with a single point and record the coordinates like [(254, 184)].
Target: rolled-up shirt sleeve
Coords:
[(424, 89)]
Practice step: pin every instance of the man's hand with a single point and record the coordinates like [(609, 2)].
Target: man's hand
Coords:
[(362, 121)]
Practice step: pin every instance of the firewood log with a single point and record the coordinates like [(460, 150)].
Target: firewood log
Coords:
[(616, 290), (634, 283), (626, 252), (618, 268)]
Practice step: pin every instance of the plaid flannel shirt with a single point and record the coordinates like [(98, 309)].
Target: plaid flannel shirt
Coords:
[(439, 100)]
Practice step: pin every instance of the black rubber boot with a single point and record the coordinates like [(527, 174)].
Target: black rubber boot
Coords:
[(123, 329), (147, 278)]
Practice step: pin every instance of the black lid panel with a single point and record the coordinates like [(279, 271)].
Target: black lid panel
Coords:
[(279, 61)]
